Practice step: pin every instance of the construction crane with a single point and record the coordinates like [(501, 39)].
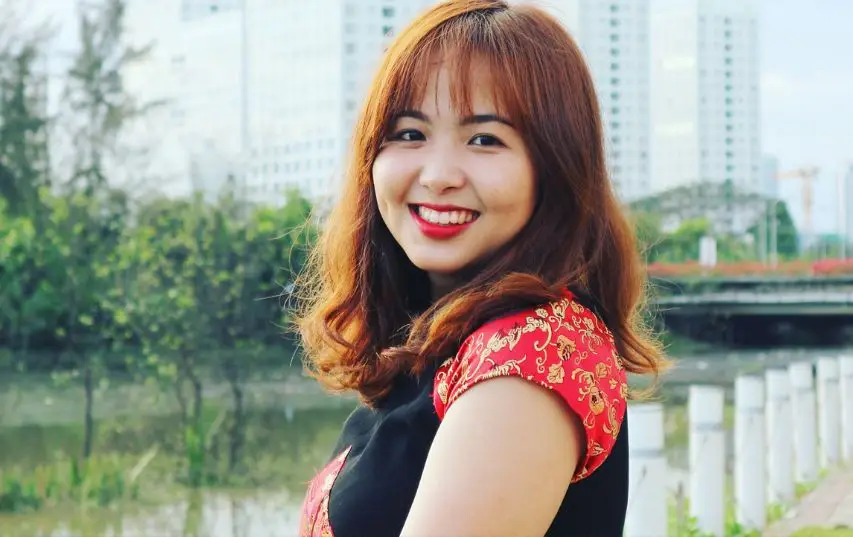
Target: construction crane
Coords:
[(808, 175)]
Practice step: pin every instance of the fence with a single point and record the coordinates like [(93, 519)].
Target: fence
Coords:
[(789, 425)]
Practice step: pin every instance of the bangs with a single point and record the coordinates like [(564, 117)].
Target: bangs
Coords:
[(474, 48)]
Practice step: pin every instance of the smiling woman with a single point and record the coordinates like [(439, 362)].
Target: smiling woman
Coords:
[(479, 288), (453, 189)]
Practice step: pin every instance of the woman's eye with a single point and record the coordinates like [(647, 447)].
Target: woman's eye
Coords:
[(408, 135), (486, 140)]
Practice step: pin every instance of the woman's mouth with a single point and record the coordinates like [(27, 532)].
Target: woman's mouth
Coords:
[(442, 222)]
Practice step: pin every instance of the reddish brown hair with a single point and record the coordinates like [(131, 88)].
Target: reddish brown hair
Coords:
[(365, 320)]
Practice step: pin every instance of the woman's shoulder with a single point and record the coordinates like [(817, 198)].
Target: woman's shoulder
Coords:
[(563, 346)]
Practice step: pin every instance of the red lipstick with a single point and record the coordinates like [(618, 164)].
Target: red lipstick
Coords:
[(440, 231)]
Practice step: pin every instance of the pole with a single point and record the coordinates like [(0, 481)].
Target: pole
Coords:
[(780, 444), (647, 498), (707, 447), (829, 413), (750, 452), (762, 234), (805, 428), (774, 235), (842, 211)]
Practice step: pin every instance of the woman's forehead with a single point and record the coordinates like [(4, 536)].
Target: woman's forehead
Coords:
[(464, 85)]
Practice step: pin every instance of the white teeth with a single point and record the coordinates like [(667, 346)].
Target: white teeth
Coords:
[(445, 218)]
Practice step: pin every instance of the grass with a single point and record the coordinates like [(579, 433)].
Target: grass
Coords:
[(824, 532), (100, 481)]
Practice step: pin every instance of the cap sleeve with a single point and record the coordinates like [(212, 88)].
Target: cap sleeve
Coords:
[(564, 347)]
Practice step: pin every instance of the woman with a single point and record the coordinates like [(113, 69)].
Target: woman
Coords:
[(479, 288)]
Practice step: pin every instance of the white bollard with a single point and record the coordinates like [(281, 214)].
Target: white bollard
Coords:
[(829, 415), (780, 445), (804, 415), (750, 446), (707, 458), (846, 396), (647, 497)]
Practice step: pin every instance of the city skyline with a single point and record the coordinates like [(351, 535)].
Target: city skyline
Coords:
[(806, 117)]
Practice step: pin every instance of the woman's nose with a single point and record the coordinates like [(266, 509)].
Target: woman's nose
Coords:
[(441, 173)]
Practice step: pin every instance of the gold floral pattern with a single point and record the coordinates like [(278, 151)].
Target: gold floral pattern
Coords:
[(564, 347), (315, 509)]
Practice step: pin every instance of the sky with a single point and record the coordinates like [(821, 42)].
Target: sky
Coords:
[(807, 95), (806, 62)]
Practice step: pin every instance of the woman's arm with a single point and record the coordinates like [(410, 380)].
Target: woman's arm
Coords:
[(500, 464)]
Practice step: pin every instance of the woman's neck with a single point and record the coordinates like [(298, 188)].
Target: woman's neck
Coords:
[(441, 284)]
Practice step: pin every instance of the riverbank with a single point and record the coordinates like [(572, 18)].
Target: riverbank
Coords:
[(289, 428)]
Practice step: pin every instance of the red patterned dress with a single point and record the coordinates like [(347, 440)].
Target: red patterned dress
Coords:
[(371, 480)]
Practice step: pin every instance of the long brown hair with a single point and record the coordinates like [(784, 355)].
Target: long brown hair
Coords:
[(366, 318)]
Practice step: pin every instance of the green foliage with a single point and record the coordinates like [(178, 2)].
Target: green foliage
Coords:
[(681, 245), (787, 240), (183, 290), (24, 123), (98, 481)]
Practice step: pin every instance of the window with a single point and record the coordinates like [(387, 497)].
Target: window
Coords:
[(614, 23), (387, 30), (350, 48), (615, 95), (614, 37), (387, 12), (614, 66)]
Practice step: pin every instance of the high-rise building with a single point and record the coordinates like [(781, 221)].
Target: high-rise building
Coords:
[(194, 9), (614, 37), (268, 90), (705, 94), (306, 88)]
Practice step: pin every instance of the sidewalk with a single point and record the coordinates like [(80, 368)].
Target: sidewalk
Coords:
[(829, 506)]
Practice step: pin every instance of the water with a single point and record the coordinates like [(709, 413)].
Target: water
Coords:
[(291, 427)]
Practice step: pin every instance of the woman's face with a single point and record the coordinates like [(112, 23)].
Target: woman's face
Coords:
[(453, 189)]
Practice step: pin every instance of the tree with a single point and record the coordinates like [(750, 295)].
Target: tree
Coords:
[(251, 263), (24, 122), (647, 227), (91, 215), (787, 239)]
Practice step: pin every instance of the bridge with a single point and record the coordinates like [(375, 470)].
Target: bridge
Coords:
[(756, 296), (756, 310)]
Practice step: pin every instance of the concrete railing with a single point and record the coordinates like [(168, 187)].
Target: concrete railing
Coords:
[(789, 425), (753, 297)]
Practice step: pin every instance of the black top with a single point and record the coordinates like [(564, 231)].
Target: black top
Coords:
[(369, 484)]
